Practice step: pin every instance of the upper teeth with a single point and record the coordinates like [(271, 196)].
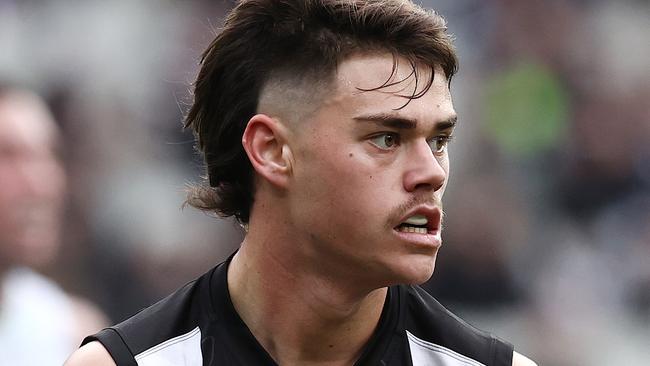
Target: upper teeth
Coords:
[(416, 220)]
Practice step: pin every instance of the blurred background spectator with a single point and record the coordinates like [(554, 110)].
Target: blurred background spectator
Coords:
[(547, 238), (34, 311)]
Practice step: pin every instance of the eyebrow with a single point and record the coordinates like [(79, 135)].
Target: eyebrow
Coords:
[(390, 120)]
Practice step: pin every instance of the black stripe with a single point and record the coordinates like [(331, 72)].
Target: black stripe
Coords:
[(501, 352), (115, 345)]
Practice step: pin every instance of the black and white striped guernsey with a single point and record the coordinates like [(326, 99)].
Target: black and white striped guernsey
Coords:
[(198, 325)]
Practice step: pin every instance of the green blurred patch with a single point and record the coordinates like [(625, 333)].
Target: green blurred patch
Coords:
[(527, 110)]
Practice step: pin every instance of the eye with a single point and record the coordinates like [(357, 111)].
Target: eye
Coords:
[(439, 144), (386, 141)]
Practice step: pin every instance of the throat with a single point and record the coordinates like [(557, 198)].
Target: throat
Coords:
[(290, 339), (286, 310)]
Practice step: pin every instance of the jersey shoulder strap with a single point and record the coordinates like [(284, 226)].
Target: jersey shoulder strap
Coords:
[(167, 330), (435, 334)]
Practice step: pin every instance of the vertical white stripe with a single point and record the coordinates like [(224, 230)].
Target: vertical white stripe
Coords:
[(183, 350), (425, 353)]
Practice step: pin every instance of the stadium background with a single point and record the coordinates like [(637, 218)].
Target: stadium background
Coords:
[(547, 239)]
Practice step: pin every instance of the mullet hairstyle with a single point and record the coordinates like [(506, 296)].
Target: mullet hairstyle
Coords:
[(300, 40)]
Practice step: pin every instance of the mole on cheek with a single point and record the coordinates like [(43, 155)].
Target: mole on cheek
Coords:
[(350, 155)]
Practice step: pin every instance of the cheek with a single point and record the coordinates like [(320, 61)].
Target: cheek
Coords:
[(340, 186)]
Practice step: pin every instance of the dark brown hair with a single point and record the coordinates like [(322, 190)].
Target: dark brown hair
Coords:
[(292, 39)]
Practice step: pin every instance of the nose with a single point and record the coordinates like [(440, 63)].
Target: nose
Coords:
[(424, 170)]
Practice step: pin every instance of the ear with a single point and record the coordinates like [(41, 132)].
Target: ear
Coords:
[(264, 140)]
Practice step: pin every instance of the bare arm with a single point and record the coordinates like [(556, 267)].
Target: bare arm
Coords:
[(91, 354), (88, 318), (520, 360)]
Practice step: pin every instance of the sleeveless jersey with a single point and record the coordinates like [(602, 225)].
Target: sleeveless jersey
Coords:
[(198, 325)]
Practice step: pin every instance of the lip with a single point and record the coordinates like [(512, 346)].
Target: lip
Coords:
[(433, 236)]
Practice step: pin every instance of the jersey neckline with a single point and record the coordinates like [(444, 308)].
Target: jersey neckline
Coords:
[(241, 338)]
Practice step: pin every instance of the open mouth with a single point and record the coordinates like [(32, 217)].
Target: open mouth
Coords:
[(405, 228), (418, 224)]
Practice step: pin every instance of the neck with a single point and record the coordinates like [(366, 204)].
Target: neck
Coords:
[(300, 316)]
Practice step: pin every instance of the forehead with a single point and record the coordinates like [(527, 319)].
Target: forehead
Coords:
[(25, 124), (358, 88)]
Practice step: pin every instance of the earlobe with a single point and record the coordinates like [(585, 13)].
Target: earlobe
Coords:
[(264, 141)]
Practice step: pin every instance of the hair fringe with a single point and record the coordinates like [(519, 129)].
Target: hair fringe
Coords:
[(304, 39)]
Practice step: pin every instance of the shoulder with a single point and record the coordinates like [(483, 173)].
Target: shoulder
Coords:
[(432, 327), (33, 289), (169, 321), (520, 360), (170, 317), (424, 309), (93, 354)]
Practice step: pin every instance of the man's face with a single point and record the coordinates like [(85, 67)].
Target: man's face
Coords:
[(31, 183), (369, 175)]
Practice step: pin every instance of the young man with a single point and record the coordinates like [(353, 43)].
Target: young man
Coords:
[(324, 125)]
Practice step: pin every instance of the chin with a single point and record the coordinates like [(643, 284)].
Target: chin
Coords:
[(414, 270)]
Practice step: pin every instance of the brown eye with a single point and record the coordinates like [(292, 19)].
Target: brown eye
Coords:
[(439, 144), (385, 141)]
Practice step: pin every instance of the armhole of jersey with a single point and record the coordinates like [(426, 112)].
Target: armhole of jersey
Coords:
[(501, 352), (112, 340)]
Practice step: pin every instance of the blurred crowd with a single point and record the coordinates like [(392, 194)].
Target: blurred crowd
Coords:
[(547, 226)]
